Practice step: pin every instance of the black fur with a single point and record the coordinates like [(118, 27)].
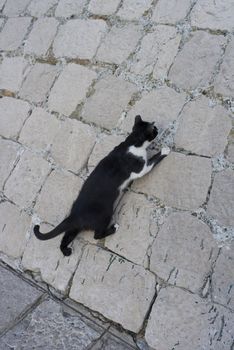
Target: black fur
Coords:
[(93, 209)]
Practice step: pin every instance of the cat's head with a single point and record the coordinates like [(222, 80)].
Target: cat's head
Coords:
[(144, 131)]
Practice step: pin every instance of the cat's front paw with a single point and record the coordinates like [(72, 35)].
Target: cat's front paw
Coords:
[(165, 151), (116, 226)]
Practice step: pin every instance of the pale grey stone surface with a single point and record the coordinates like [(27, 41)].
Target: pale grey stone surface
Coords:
[(73, 144), (157, 52), (38, 82), (109, 342), (221, 202), (13, 33), (197, 249), (16, 296), (119, 43), (26, 179), (231, 152), (194, 64), (223, 276), (213, 15), (133, 9), (57, 196), (203, 129), (79, 38), (39, 130), (12, 72), (67, 8), (128, 288), (41, 36), (39, 8), (15, 7), (10, 121), (161, 106), (184, 321), (171, 11), (171, 181), (13, 230), (103, 7), (8, 156), (2, 2), (224, 82), (137, 229), (70, 88), (110, 98)]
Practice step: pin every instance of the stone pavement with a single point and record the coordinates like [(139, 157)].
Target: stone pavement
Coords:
[(73, 75)]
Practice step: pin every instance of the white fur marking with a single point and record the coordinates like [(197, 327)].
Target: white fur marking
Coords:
[(165, 151), (116, 226)]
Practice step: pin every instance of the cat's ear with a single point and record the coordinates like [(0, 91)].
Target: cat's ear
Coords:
[(137, 119)]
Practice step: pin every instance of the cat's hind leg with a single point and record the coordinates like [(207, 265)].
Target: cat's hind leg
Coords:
[(67, 239)]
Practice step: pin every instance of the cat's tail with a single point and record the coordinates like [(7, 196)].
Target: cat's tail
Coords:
[(63, 226)]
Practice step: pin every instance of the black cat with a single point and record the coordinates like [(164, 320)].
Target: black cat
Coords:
[(93, 209)]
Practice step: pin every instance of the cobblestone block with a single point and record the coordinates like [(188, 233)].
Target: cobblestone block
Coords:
[(103, 7), (38, 82), (26, 179), (198, 250), (119, 43), (202, 129), (70, 88), (12, 71), (39, 130), (221, 202), (68, 8), (132, 9), (39, 8), (79, 38), (171, 11), (183, 320), (171, 181), (15, 7), (57, 196), (13, 230), (13, 33), (213, 15), (8, 155), (137, 229), (155, 107), (110, 98), (128, 288), (10, 121), (73, 145), (41, 36), (157, 52), (195, 63)]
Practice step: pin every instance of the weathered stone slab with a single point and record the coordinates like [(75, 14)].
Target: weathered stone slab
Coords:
[(38, 82), (132, 9), (16, 296), (41, 36), (79, 38), (128, 288), (10, 121), (13, 229), (197, 249), (157, 52), (110, 98), (47, 259), (161, 106), (68, 8), (171, 11), (109, 342), (231, 152), (40, 129), (223, 276), (137, 228), (12, 72), (8, 155), (70, 88), (195, 63), (119, 43), (13, 33), (203, 129), (15, 7), (213, 15), (224, 82), (172, 182), (39, 8), (26, 179), (184, 321), (51, 327), (103, 7), (221, 202), (73, 144), (57, 196)]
